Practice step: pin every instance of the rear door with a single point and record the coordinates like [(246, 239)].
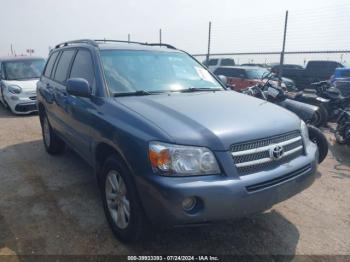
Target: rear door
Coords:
[(45, 91)]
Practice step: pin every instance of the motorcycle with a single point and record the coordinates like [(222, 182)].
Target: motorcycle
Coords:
[(337, 102), (342, 132), (276, 95), (321, 115)]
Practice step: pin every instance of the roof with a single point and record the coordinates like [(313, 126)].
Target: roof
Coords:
[(19, 58)]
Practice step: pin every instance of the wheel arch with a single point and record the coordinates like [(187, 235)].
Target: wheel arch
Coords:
[(102, 151), (41, 110)]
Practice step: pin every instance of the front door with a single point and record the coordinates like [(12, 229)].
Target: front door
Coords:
[(79, 110)]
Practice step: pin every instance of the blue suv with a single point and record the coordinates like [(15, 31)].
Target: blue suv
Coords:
[(169, 144)]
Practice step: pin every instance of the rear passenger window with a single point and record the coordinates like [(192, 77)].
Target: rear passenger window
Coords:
[(50, 64), (63, 66), (227, 62), (213, 62), (83, 67)]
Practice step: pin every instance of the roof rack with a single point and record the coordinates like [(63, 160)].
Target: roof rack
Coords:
[(133, 42), (118, 41), (161, 44), (80, 41), (95, 43)]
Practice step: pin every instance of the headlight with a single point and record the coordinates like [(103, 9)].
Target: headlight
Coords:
[(14, 89), (182, 160), (304, 133)]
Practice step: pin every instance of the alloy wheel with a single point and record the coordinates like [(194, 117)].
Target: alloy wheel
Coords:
[(117, 200)]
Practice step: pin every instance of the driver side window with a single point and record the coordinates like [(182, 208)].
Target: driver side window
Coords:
[(83, 67)]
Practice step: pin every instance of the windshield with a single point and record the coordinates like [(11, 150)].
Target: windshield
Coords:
[(23, 69), (151, 71), (257, 73)]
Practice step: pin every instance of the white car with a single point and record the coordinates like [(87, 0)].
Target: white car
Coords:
[(214, 63), (18, 78)]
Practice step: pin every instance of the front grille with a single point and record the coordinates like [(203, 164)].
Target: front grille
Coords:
[(32, 97), (257, 155), (275, 181), (25, 107)]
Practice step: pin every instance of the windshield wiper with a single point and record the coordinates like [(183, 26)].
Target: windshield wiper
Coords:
[(198, 89), (134, 93)]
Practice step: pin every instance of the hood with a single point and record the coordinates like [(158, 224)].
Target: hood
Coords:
[(26, 85), (212, 119)]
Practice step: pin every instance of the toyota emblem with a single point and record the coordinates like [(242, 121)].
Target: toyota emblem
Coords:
[(276, 152)]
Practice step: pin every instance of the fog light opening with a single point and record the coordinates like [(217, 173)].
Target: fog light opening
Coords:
[(189, 204)]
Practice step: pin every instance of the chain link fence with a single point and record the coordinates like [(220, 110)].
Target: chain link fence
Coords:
[(317, 34)]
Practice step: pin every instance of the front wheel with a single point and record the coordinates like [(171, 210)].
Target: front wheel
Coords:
[(320, 140), (121, 203)]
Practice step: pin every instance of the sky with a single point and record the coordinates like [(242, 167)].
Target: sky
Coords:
[(237, 26)]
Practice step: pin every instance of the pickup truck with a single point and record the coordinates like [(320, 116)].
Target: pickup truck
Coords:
[(214, 63), (314, 71), (168, 143)]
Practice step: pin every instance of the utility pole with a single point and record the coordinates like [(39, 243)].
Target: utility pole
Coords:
[(209, 39), (11, 50), (280, 71), (128, 37), (160, 36)]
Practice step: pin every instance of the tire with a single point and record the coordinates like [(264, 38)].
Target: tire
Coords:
[(320, 140), (340, 140), (121, 203), (53, 144), (320, 117), (324, 112)]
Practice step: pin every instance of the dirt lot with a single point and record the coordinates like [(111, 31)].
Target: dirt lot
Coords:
[(51, 205)]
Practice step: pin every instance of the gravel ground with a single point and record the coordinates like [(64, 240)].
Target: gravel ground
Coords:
[(51, 205)]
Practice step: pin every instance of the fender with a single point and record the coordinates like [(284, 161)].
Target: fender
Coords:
[(322, 100), (303, 110)]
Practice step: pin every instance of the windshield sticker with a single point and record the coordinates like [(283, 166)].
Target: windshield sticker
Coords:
[(204, 74)]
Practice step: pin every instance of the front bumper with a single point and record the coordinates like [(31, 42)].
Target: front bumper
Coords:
[(226, 196), (21, 104)]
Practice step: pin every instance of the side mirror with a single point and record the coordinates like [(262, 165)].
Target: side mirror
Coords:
[(223, 79), (78, 87)]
